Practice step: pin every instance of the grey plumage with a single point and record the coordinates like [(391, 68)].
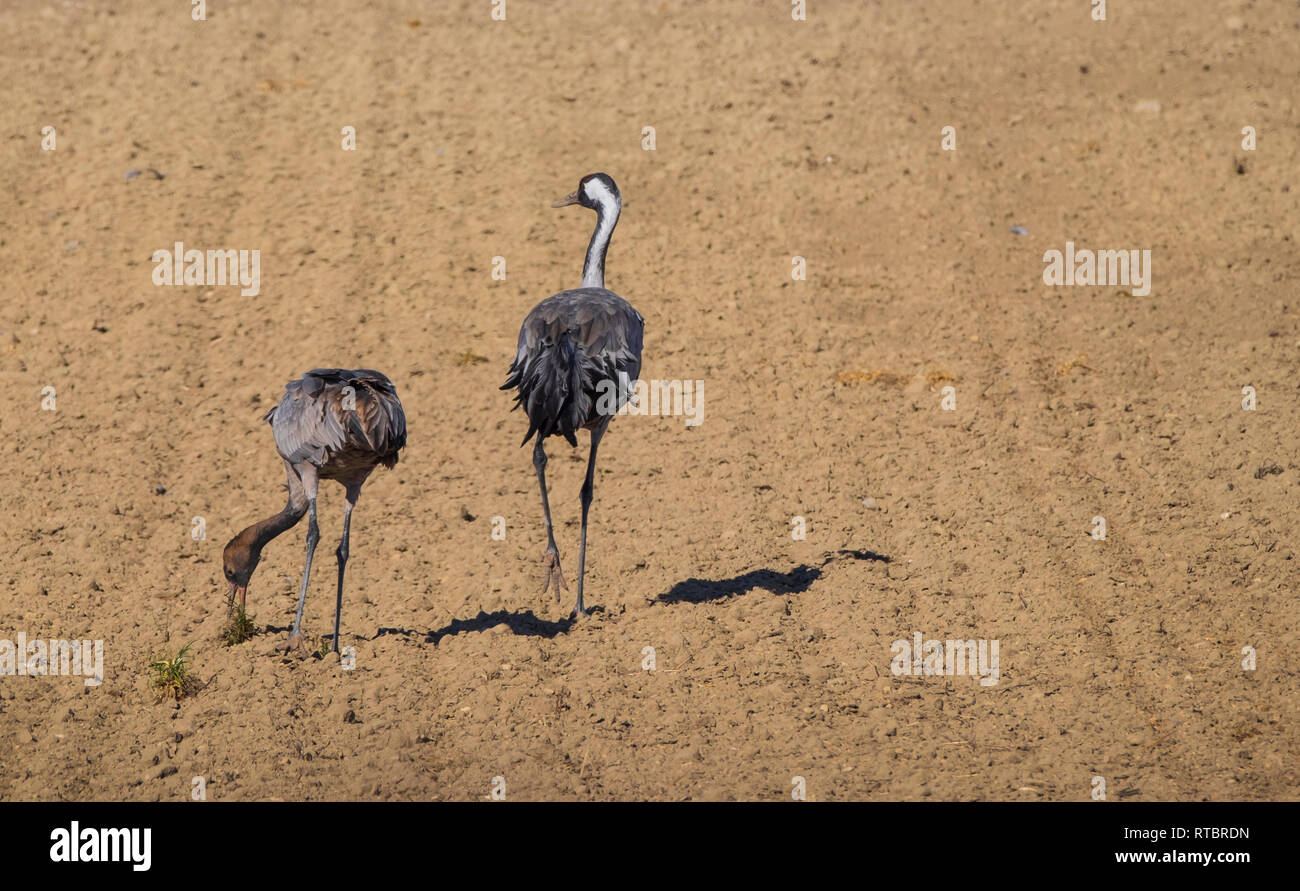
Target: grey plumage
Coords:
[(313, 424), (568, 345), (578, 355)]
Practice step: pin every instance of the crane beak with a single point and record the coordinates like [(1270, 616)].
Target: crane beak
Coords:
[(230, 600), (571, 198)]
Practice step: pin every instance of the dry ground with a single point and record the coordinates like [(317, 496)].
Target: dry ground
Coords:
[(1119, 658)]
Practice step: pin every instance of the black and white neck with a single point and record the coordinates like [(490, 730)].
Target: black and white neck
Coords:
[(601, 195)]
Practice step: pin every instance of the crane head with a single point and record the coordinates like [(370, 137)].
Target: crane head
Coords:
[(596, 191), (238, 562)]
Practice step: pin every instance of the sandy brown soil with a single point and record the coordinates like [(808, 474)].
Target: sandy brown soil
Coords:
[(1119, 658)]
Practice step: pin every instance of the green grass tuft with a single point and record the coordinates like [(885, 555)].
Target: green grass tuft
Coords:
[(239, 629), (172, 678)]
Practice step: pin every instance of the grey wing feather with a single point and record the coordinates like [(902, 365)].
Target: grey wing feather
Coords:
[(316, 419), (568, 346)]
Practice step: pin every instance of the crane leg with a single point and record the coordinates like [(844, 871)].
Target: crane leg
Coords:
[(342, 554), (554, 577), (308, 475), (588, 490)]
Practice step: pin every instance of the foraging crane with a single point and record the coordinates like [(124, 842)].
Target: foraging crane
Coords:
[(332, 424), (576, 349)]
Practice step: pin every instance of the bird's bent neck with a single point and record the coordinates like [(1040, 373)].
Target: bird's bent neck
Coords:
[(593, 268), (260, 534)]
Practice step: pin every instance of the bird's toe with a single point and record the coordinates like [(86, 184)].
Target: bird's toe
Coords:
[(297, 643), (554, 575)]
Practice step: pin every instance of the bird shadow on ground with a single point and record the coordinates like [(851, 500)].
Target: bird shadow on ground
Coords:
[(796, 581), (523, 623)]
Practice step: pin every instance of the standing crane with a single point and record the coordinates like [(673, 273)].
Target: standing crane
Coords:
[(574, 347), (331, 424)]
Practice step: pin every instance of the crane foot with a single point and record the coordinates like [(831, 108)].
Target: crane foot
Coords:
[(554, 577), (296, 643)]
